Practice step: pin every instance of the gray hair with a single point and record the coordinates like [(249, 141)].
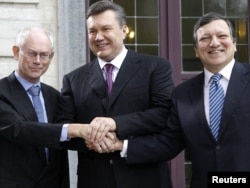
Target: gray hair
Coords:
[(24, 32)]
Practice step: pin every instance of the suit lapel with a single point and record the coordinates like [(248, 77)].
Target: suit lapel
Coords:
[(47, 103), (196, 94), (94, 77), (236, 87), (128, 69), (21, 100)]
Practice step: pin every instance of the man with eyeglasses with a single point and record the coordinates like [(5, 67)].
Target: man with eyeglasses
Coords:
[(31, 154)]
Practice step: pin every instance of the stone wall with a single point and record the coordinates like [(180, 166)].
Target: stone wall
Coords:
[(15, 14)]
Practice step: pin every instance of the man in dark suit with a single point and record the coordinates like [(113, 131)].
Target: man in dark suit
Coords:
[(189, 123), (27, 159), (137, 105)]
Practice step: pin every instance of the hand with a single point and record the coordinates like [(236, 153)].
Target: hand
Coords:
[(111, 136), (78, 130), (107, 145), (99, 128)]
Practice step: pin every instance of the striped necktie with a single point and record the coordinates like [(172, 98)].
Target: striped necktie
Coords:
[(216, 100)]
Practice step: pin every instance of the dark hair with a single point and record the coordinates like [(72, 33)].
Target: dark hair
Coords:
[(206, 19), (101, 6)]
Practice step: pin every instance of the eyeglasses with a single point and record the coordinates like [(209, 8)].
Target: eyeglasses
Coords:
[(44, 56)]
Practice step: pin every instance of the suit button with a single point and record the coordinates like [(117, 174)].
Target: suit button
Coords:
[(111, 161), (218, 147)]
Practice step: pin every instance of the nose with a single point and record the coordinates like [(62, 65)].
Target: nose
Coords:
[(215, 41), (38, 58), (99, 36)]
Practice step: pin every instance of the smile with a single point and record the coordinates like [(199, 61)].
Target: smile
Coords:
[(215, 51)]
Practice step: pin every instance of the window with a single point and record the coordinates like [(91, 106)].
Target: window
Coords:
[(142, 21)]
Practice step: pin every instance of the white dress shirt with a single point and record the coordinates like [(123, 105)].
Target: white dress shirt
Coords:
[(226, 74)]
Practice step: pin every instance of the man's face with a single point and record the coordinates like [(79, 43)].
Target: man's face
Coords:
[(215, 45), (34, 57), (105, 34)]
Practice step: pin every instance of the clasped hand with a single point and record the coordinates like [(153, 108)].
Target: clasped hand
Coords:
[(101, 135)]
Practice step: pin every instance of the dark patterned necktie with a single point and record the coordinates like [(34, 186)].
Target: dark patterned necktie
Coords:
[(108, 72)]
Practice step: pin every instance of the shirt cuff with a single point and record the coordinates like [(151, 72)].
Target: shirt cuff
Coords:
[(64, 133), (123, 153)]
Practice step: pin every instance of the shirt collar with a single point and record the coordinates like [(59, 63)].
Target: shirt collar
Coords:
[(26, 85), (225, 72), (117, 61)]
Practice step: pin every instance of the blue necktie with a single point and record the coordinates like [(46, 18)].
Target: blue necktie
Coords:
[(34, 91), (108, 72), (216, 100)]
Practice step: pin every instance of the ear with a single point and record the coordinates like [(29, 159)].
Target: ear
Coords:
[(124, 30), (196, 52), (51, 55), (16, 50), (235, 47)]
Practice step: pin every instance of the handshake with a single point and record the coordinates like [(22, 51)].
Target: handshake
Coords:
[(99, 135)]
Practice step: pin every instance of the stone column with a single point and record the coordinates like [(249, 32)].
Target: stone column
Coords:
[(71, 52)]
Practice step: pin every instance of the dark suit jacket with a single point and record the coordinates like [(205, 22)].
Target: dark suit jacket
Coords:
[(22, 140), (187, 126), (139, 104)]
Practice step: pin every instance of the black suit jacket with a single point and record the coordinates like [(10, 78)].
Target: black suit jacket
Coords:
[(187, 126), (22, 140), (139, 104)]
